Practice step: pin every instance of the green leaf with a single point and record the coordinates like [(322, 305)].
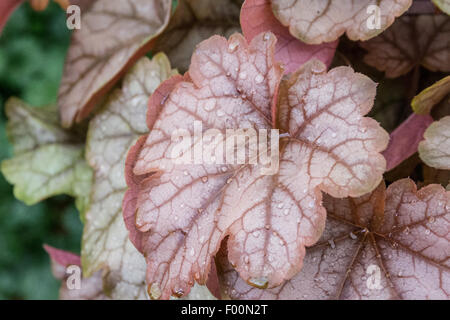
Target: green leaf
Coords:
[(111, 133), (48, 160)]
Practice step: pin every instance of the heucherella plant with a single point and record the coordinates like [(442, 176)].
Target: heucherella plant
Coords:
[(258, 149)]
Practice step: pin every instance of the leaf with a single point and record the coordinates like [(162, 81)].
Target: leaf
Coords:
[(325, 21), (113, 35), (428, 98), (111, 133), (7, 7), (435, 149), (402, 47), (48, 160), (194, 21), (183, 211), (405, 139), (90, 288), (257, 17), (391, 244), (444, 5)]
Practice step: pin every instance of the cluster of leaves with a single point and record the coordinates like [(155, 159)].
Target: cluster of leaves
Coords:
[(154, 228)]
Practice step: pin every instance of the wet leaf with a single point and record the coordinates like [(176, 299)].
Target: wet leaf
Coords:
[(410, 42), (392, 244), (428, 98), (48, 160), (320, 21), (257, 17), (435, 149), (183, 211), (111, 133), (193, 22), (113, 35)]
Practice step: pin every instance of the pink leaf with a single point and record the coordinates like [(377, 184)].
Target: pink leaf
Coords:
[(404, 140), (179, 213), (388, 244), (257, 17)]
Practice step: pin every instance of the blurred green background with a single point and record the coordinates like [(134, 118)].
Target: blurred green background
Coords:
[(32, 51)]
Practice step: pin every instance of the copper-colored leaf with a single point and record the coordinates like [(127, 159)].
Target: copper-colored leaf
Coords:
[(257, 17), (326, 20), (392, 244), (193, 22), (183, 211), (113, 34), (410, 42)]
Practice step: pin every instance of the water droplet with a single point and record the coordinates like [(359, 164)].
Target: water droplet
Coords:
[(209, 105), (260, 283), (267, 227), (271, 258), (431, 219), (281, 242), (353, 236), (224, 169), (305, 190), (406, 231), (220, 113), (334, 134), (233, 46), (154, 291), (286, 212), (202, 239), (256, 234), (185, 173), (266, 36), (280, 205), (259, 78), (363, 129), (311, 204), (332, 244), (192, 252), (179, 293), (229, 180), (200, 210), (427, 231), (228, 74), (242, 75), (400, 273), (246, 259), (204, 179)]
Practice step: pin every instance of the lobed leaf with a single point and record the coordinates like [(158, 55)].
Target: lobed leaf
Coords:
[(390, 244), (113, 35), (111, 133), (48, 160), (435, 149), (428, 98), (320, 21), (402, 47), (178, 214), (257, 17)]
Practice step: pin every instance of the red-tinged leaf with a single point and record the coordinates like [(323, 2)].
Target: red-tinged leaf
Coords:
[(183, 211), (324, 21), (113, 35), (390, 244), (405, 139), (6, 9), (90, 288), (257, 17), (402, 47)]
